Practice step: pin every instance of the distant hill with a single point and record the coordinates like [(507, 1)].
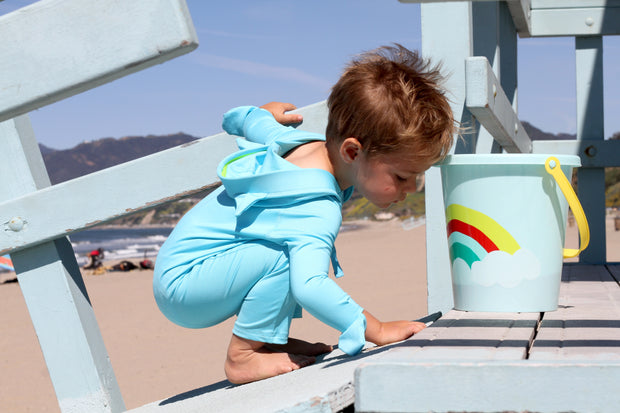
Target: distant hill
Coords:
[(536, 134), (88, 157)]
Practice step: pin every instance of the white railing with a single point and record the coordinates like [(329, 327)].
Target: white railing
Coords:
[(35, 218)]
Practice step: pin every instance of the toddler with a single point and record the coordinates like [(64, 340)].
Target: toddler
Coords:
[(260, 246)]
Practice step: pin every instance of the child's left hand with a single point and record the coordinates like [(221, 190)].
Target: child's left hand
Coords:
[(278, 109)]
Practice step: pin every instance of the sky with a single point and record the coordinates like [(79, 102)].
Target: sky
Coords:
[(254, 52)]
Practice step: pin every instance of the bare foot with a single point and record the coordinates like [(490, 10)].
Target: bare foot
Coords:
[(305, 348), (249, 360)]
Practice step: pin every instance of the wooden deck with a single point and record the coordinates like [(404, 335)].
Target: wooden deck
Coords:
[(566, 360)]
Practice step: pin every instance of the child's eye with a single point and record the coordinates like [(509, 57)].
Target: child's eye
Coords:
[(400, 178)]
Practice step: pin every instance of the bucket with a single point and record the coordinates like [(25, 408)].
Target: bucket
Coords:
[(506, 221)]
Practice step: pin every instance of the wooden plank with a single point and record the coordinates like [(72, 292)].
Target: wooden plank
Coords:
[(487, 386), (54, 49), (466, 335), (111, 193), (590, 125), (494, 37), (594, 153), (54, 291), (450, 47), (614, 271), (519, 9), (521, 16), (487, 101), (591, 21), (122, 190), (586, 325), (326, 386), (567, 4)]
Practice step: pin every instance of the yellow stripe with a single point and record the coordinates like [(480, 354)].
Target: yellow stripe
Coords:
[(486, 224)]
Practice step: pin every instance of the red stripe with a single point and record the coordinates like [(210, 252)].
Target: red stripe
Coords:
[(456, 225)]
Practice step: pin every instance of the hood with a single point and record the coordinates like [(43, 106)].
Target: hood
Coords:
[(259, 175)]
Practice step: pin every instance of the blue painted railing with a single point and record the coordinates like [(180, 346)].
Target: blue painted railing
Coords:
[(35, 218)]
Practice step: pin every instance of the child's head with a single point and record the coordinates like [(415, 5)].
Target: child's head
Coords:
[(390, 100)]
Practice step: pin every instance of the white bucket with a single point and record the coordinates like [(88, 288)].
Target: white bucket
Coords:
[(506, 218)]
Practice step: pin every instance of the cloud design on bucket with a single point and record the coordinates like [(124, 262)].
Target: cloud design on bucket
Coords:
[(498, 267)]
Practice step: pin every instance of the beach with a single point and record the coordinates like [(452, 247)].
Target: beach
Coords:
[(153, 359)]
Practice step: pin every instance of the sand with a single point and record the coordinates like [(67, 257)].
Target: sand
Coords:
[(153, 359)]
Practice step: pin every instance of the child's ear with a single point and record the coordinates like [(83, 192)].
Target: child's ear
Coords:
[(350, 149)]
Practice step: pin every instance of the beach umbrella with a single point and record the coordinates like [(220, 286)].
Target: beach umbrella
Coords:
[(6, 263)]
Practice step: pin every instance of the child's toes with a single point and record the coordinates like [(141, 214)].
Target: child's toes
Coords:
[(301, 360)]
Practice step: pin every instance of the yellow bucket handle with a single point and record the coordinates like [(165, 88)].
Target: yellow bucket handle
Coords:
[(552, 165)]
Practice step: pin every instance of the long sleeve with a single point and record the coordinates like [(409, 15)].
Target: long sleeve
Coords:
[(310, 252), (297, 207), (255, 124)]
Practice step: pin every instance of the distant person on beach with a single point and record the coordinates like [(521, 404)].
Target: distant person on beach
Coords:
[(95, 259), (260, 246)]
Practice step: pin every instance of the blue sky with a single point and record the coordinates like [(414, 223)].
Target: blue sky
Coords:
[(253, 52)]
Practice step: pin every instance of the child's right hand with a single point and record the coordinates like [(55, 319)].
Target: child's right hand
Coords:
[(278, 109), (382, 333)]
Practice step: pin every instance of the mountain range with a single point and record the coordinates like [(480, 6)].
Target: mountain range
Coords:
[(88, 157), (91, 156)]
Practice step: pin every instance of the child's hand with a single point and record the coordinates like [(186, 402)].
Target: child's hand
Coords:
[(278, 110), (382, 333)]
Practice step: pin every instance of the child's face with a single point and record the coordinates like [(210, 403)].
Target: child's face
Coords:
[(387, 179)]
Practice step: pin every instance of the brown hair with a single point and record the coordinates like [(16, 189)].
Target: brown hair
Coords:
[(390, 100)]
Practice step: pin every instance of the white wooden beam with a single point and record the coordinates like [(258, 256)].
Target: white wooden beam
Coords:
[(450, 47), (590, 21), (111, 193), (590, 126), (487, 386), (521, 16), (519, 9), (542, 18), (487, 101), (54, 291), (594, 153), (573, 4), (118, 191), (54, 49)]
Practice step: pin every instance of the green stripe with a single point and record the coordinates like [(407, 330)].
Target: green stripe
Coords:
[(458, 250), (236, 158)]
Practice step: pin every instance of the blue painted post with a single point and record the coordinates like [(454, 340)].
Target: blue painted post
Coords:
[(446, 38), (485, 26), (54, 291), (590, 127), (452, 32)]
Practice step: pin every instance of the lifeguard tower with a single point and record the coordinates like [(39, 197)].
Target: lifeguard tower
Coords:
[(568, 360)]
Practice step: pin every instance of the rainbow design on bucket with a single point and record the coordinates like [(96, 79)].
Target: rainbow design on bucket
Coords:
[(472, 235)]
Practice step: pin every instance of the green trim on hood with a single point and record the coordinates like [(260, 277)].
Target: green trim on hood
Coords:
[(225, 168)]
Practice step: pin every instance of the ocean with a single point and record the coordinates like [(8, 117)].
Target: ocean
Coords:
[(129, 243), (119, 243), (138, 243)]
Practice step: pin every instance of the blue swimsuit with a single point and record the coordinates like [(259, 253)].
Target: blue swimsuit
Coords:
[(260, 246)]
